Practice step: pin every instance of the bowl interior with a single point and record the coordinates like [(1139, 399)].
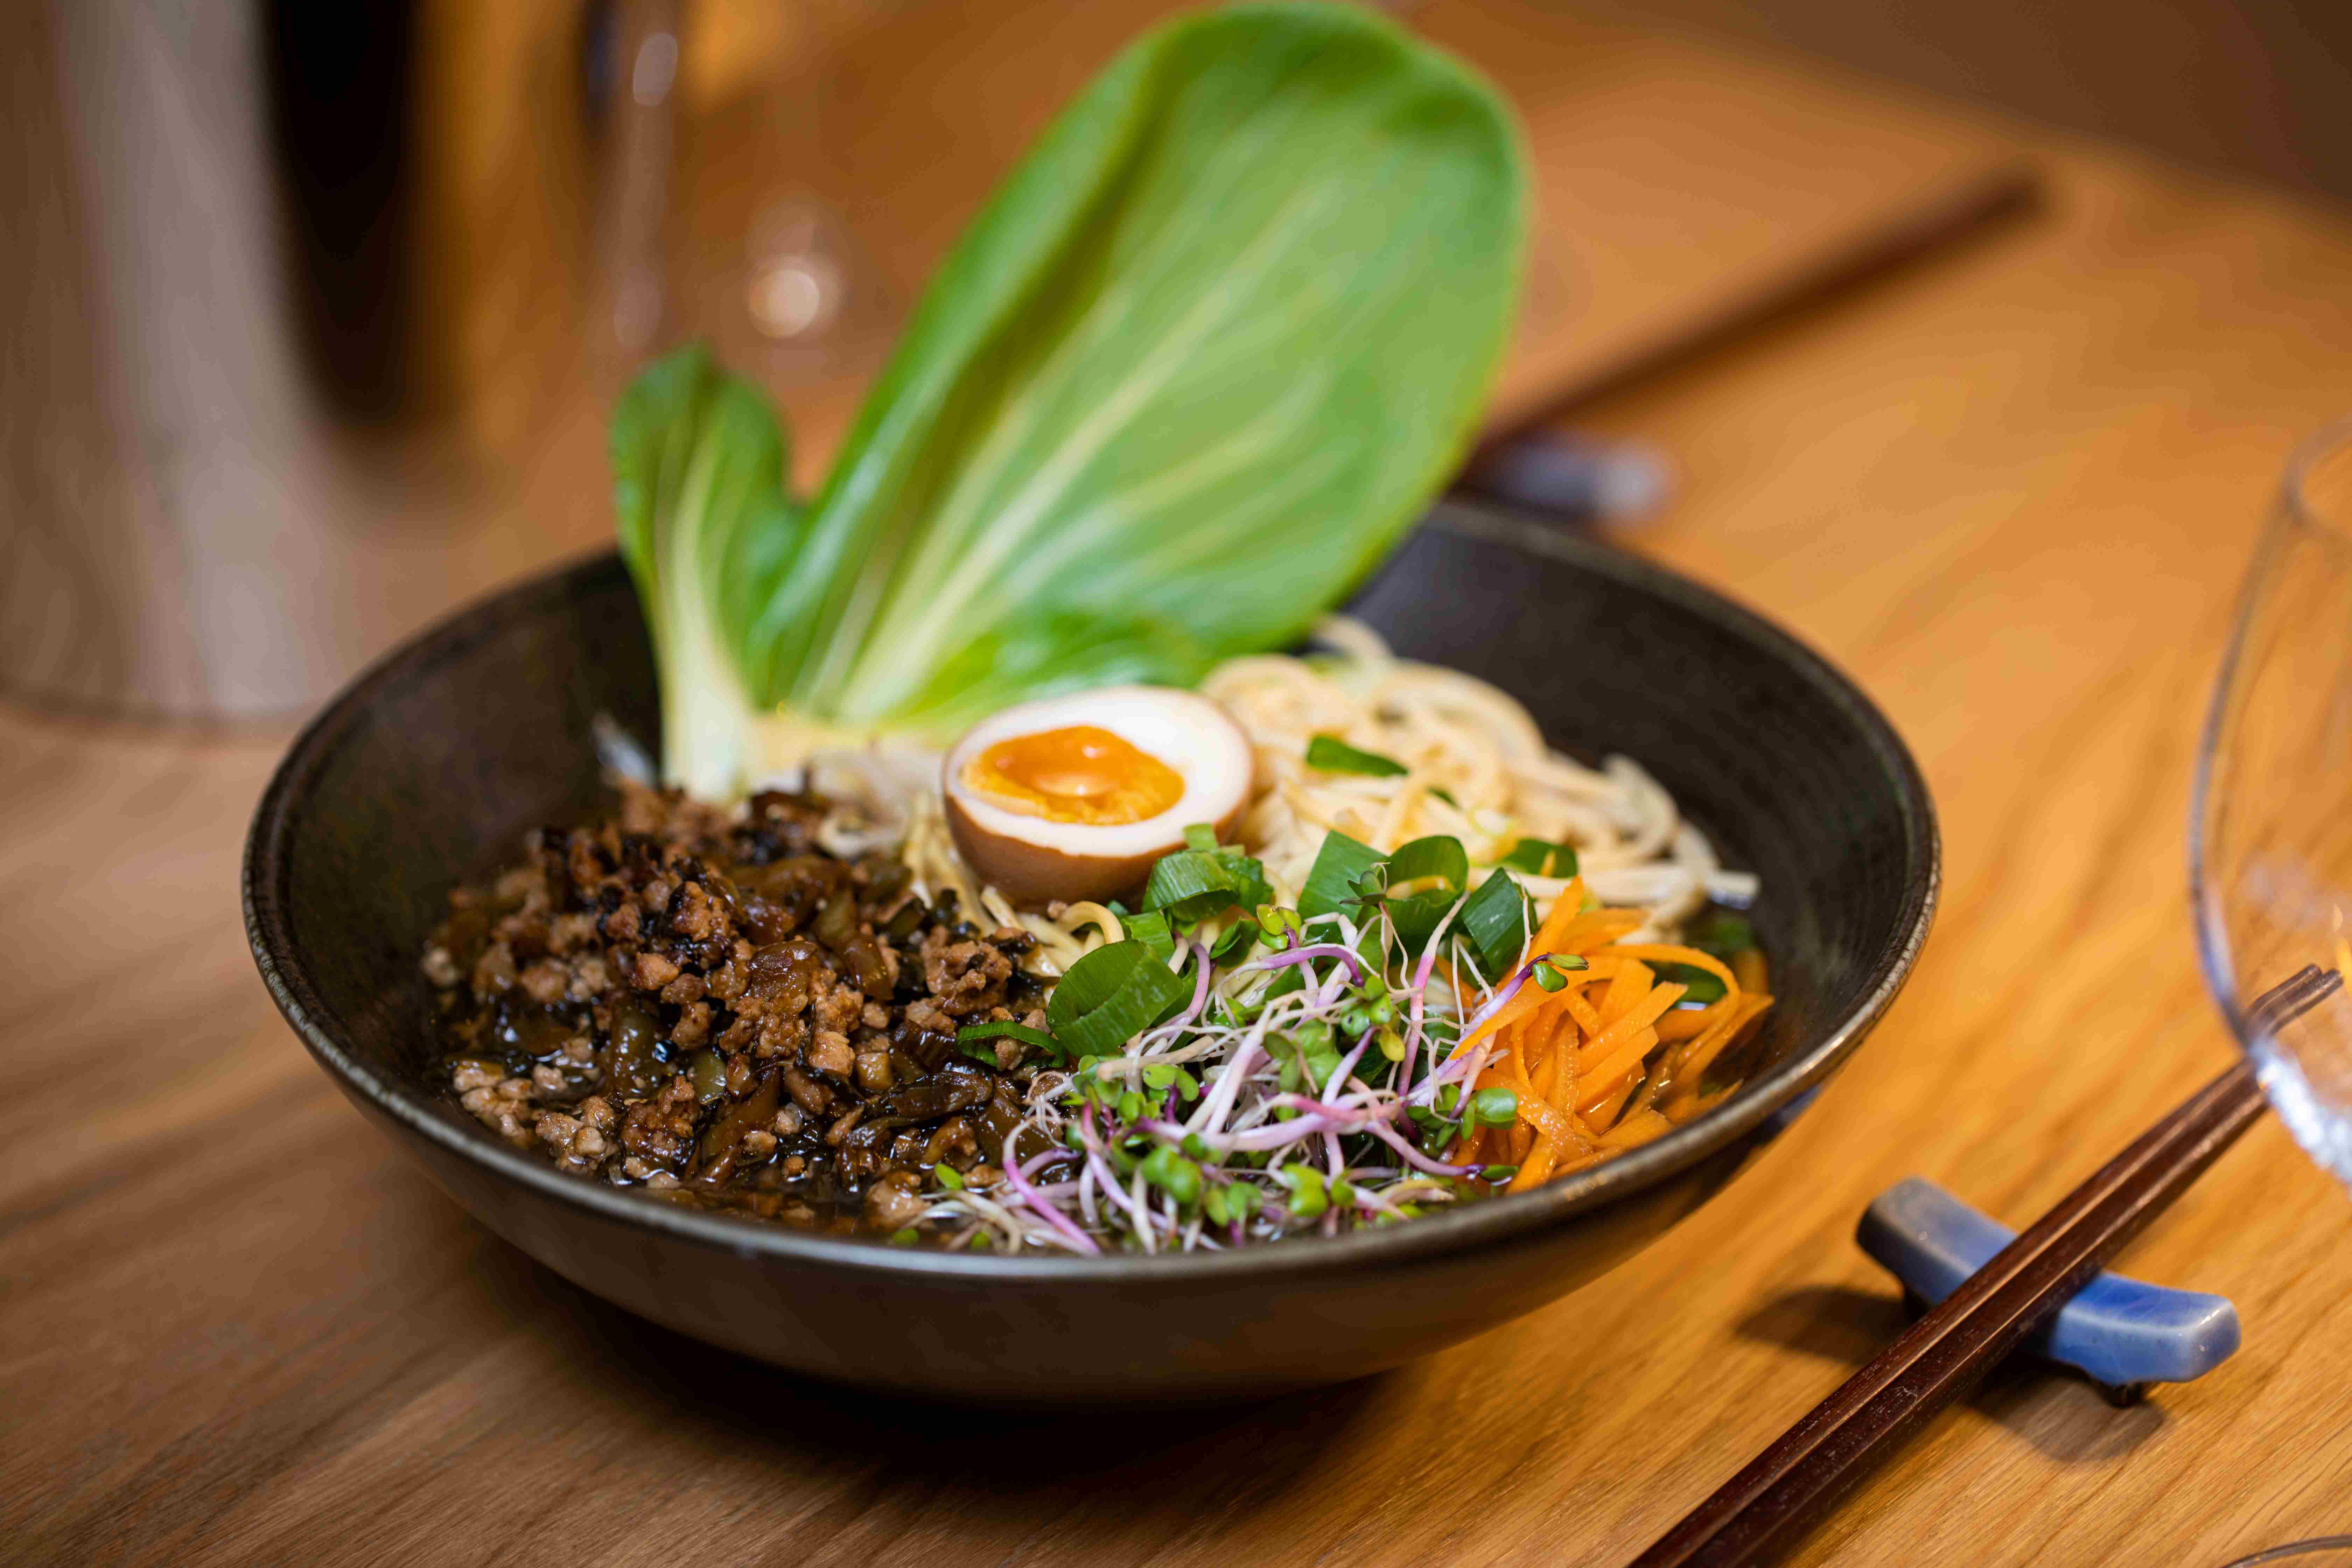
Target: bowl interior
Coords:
[(429, 769)]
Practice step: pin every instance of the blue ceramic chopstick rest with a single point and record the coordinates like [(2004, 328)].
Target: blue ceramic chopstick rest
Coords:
[(2122, 1333)]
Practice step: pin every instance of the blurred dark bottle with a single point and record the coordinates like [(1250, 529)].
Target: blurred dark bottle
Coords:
[(340, 89), (297, 290)]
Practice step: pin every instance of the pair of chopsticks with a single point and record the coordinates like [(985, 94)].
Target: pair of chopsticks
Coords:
[(1763, 1508)]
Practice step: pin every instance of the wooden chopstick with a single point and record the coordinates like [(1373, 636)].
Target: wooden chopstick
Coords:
[(1983, 202), (1764, 1507)]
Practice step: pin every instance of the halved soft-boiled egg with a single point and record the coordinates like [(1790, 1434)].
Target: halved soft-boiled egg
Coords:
[(1074, 797)]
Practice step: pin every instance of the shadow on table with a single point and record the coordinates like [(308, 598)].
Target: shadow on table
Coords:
[(1188, 1464), (2075, 1424)]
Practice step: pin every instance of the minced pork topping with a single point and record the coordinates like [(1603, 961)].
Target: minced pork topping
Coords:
[(707, 1005)]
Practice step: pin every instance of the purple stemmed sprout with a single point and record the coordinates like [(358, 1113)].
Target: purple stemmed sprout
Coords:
[(1148, 1182)]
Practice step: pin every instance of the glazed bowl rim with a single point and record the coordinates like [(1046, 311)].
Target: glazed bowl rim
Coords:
[(268, 929)]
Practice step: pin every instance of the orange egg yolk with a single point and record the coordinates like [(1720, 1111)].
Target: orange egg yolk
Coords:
[(1079, 773)]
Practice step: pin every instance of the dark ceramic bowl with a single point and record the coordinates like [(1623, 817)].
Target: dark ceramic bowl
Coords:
[(432, 767)]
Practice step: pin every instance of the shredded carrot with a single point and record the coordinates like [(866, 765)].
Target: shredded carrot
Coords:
[(1662, 953), (1652, 1085), (1565, 912), (1639, 1127), (1581, 1010), (1547, 1062), (1685, 1022), (1623, 1057), (1537, 1166), (1574, 1058), (1639, 1016), (1561, 1089), (1535, 1112), (1601, 1109), (1700, 1054), (1554, 1084), (1530, 998), (1631, 983), (1588, 934)]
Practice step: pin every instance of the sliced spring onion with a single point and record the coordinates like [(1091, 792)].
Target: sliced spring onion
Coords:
[(1235, 942), (1704, 987), (978, 1036), (1541, 857), (1720, 933), (1496, 921), (1424, 879), (1151, 929), (1111, 995), (1191, 885), (1340, 863), (1331, 754)]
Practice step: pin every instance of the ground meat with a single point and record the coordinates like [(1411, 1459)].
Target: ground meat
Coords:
[(967, 976), (895, 1202), (578, 1143), (709, 1006), (504, 1107), (658, 1131)]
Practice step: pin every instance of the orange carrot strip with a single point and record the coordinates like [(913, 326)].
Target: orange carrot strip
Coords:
[(1533, 1111), (1537, 1163), (1600, 1110), (1565, 909), (1581, 1011), (1562, 918), (1701, 1052), (1537, 1166), (1623, 1057), (1639, 1127), (1530, 998), (1643, 1013), (1626, 988), (1545, 1069), (1561, 1089), (1685, 1022), (1588, 933), (1748, 965), (1666, 952), (1645, 1095)]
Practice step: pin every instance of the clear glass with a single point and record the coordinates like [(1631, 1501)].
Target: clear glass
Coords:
[(2270, 828), (772, 266)]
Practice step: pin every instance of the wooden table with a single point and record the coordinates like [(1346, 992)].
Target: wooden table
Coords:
[(2010, 492)]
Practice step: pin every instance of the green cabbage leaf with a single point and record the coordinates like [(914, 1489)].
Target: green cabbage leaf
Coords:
[(1203, 356)]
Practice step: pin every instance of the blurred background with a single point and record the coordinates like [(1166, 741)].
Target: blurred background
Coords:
[(319, 307)]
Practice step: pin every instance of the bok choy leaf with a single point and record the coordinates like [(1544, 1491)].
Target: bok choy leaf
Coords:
[(1198, 362), (708, 532)]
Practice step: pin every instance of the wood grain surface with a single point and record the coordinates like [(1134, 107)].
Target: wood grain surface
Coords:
[(2010, 492)]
